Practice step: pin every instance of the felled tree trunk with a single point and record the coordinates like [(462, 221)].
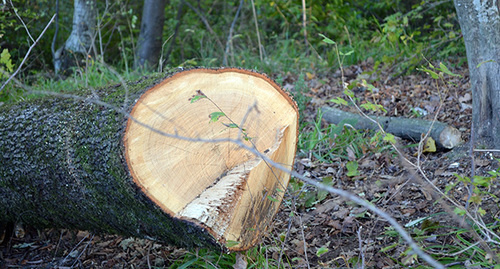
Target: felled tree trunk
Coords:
[(445, 136), (75, 164)]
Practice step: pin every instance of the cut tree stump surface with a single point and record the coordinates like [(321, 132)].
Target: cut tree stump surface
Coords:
[(228, 181), (74, 164)]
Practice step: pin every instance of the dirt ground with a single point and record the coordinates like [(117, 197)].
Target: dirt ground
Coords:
[(351, 234)]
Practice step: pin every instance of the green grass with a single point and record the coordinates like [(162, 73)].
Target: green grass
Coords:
[(95, 75), (204, 258)]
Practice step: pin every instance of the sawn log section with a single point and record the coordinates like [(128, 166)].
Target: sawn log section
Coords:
[(72, 163)]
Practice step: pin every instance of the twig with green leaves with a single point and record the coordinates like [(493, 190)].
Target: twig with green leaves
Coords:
[(215, 116)]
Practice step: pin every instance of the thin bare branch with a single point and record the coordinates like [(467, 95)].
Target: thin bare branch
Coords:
[(19, 17), (27, 54)]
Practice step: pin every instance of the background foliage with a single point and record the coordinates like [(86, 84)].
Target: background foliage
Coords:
[(394, 33)]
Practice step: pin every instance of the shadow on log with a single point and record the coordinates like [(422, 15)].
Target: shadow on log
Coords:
[(73, 164)]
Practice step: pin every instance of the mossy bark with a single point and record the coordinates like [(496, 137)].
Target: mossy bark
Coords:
[(62, 165)]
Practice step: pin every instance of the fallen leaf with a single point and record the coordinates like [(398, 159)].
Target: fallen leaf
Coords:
[(429, 145), (466, 98), (310, 76)]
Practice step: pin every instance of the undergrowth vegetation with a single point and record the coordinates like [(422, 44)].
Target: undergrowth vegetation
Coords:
[(399, 36)]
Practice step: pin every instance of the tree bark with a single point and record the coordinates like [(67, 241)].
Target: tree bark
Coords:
[(150, 38), (480, 24), (81, 39), (75, 164), (445, 136)]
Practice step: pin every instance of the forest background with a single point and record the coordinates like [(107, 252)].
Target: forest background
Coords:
[(398, 34)]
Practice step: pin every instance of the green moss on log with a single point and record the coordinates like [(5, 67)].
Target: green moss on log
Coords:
[(62, 165)]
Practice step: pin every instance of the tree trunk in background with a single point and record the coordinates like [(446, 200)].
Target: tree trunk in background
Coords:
[(74, 164), (480, 23), (79, 43), (150, 38)]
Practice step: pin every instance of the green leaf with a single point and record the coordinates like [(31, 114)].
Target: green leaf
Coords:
[(459, 211), (433, 74), (321, 251), (494, 173), (339, 101), (415, 222), (389, 247), (389, 138), (310, 200), (372, 107), (483, 62), (352, 169), (272, 199), (482, 181), (187, 264), (327, 181), (231, 243), (197, 97), (5, 59), (349, 93), (233, 125), (327, 40), (214, 116), (446, 70), (347, 53), (134, 21), (481, 211)]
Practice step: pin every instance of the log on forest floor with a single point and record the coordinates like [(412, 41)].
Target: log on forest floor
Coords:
[(445, 136), (71, 163)]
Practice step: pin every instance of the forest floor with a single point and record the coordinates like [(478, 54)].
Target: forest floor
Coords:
[(352, 235)]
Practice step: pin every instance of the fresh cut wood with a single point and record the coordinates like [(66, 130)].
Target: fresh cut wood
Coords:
[(155, 161)]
